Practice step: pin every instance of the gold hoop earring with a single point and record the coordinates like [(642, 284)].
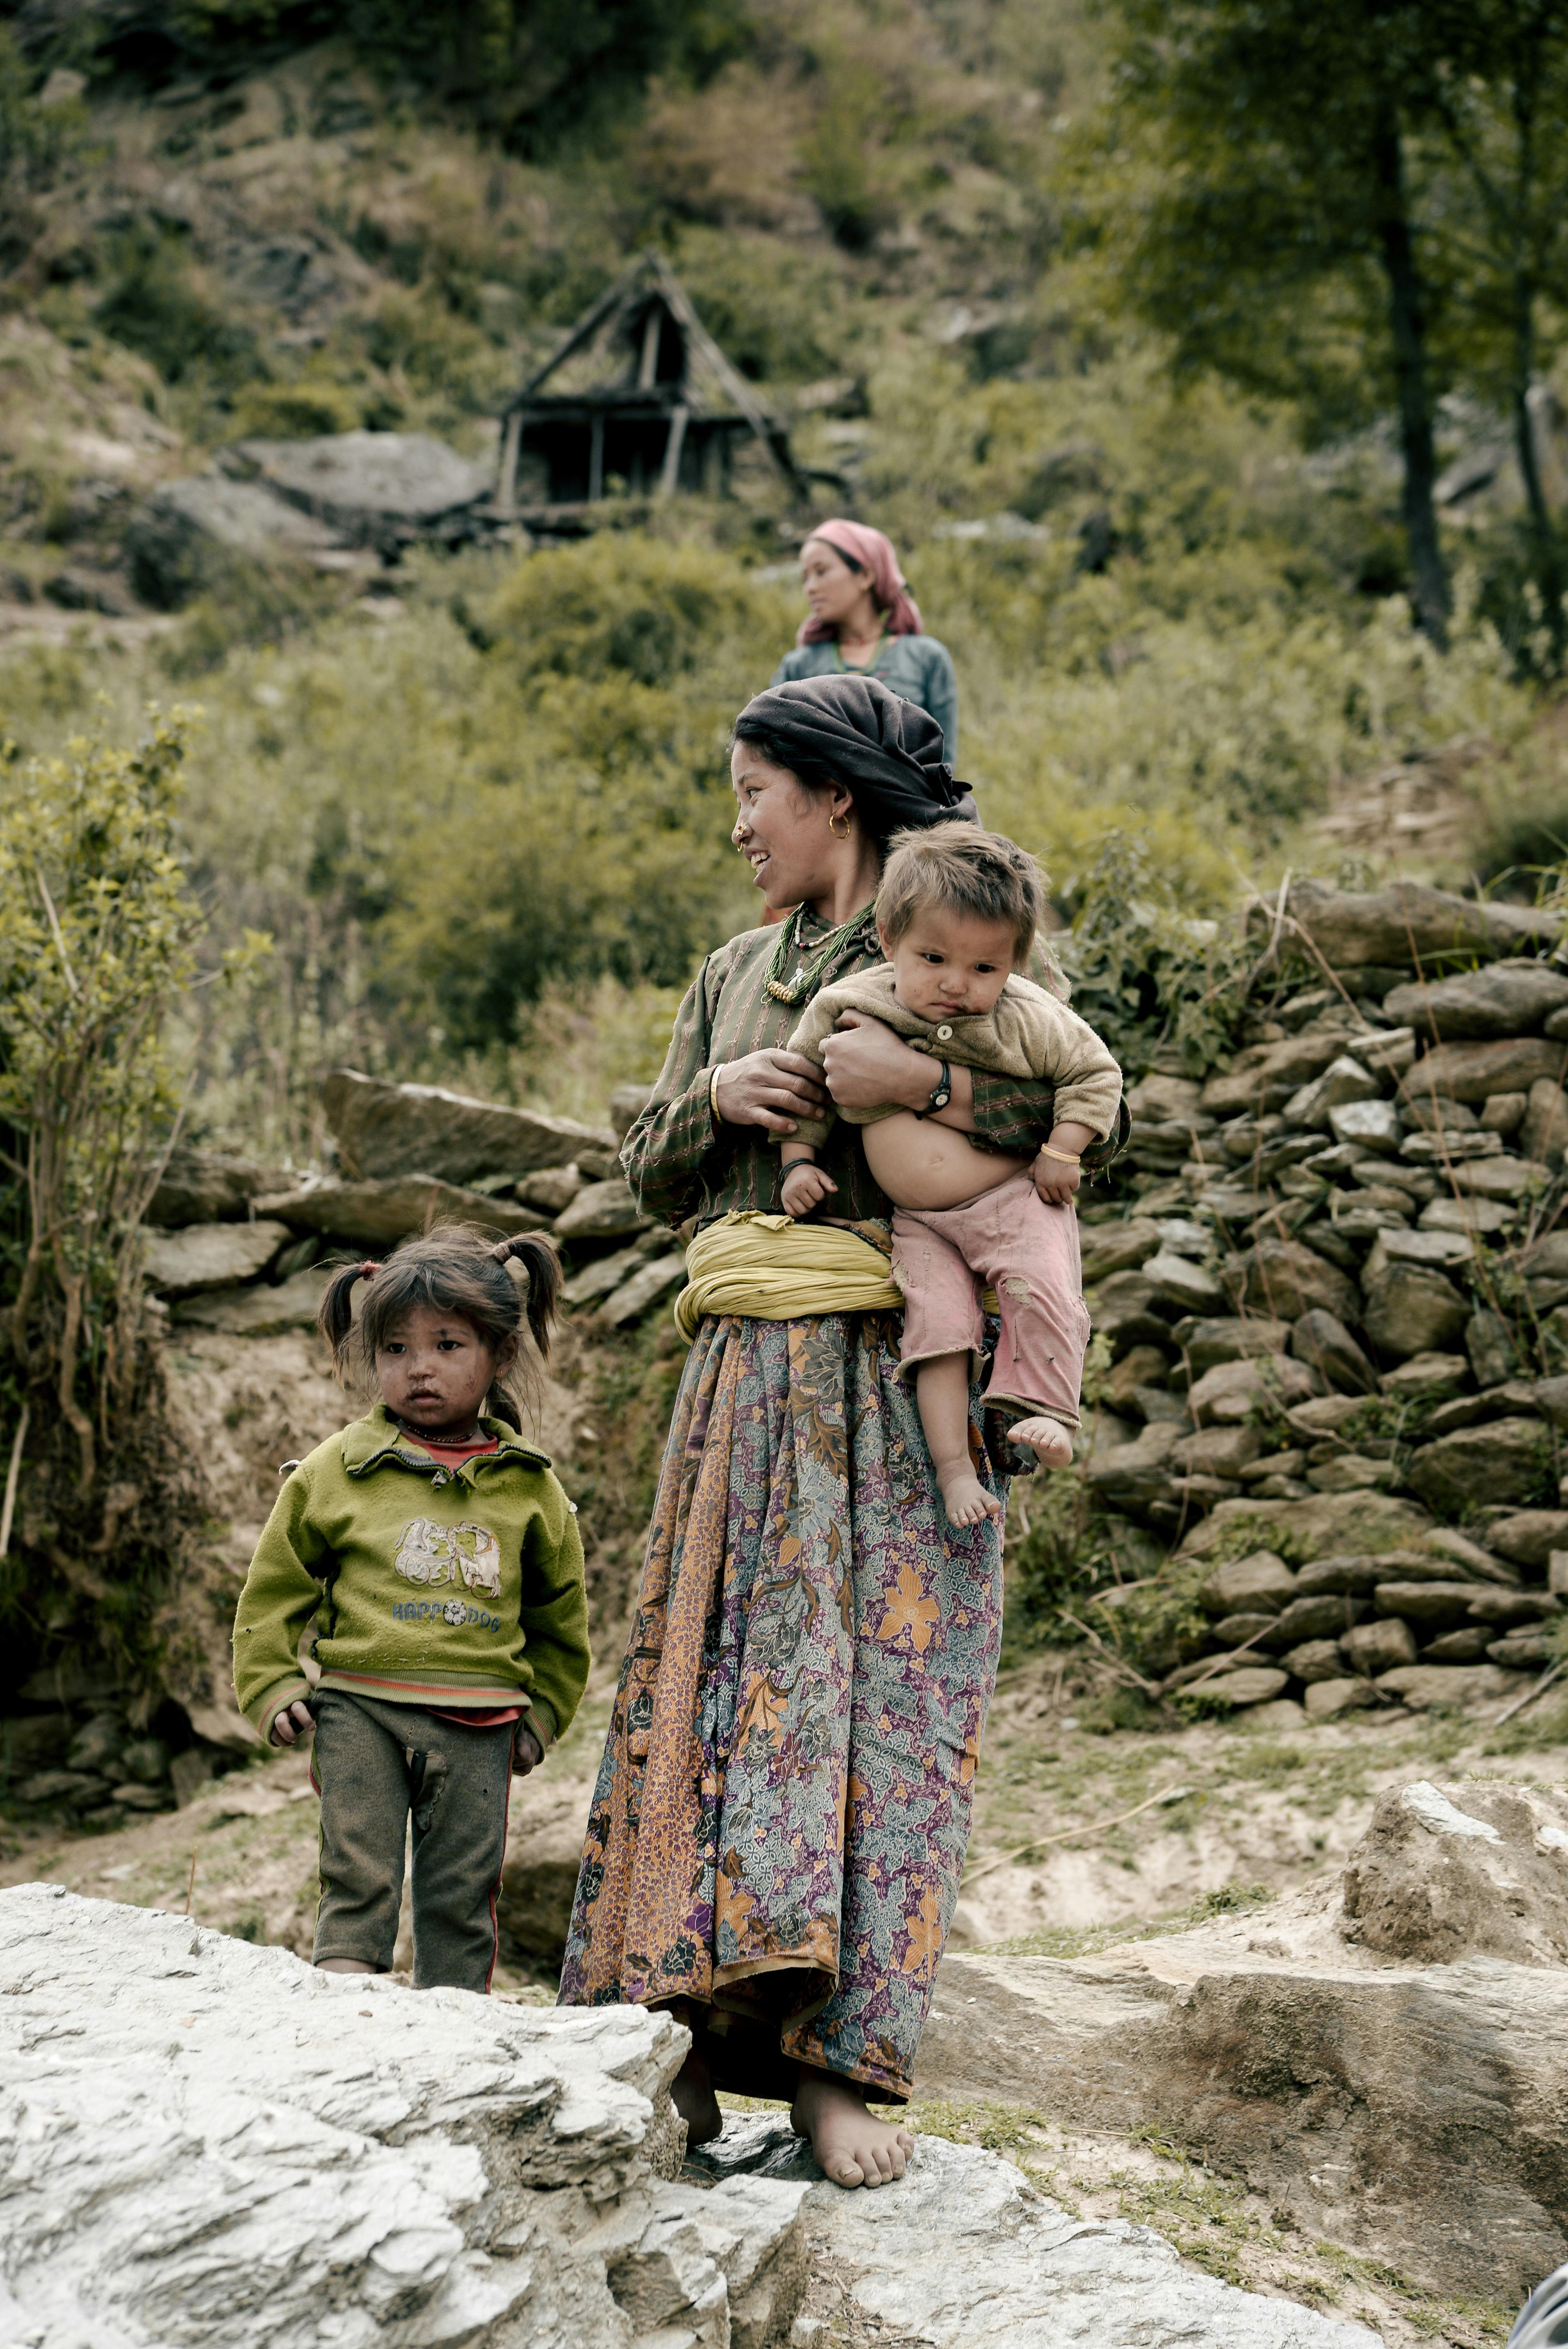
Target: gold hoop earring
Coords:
[(844, 820)]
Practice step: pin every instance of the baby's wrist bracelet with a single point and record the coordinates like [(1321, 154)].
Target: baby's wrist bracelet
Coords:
[(1063, 1157)]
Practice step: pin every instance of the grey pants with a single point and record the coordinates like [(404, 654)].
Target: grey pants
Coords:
[(374, 1763)]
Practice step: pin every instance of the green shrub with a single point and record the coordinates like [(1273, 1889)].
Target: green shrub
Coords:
[(154, 305), (98, 929), (624, 607), (1157, 1624), (294, 411)]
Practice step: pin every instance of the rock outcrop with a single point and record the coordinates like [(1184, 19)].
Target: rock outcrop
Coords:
[(966, 2250), (209, 2141), (1384, 2057), (380, 489), (385, 1129)]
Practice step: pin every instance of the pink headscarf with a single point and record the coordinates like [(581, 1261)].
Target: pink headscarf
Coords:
[(872, 553)]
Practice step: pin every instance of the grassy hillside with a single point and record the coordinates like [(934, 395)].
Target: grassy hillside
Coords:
[(478, 803)]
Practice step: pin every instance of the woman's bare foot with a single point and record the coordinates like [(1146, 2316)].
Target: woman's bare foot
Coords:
[(964, 1497), (1048, 1439), (852, 2146), (691, 2093)]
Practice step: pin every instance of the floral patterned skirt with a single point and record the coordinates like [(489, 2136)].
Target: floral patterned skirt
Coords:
[(781, 1815)]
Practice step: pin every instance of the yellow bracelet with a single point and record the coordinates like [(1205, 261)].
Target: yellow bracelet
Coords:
[(713, 1108), (1065, 1157)]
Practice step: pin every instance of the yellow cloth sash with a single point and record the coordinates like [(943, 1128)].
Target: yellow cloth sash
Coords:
[(775, 1270)]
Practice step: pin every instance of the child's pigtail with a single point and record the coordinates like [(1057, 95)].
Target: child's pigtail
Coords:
[(543, 1268), (335, 1314)]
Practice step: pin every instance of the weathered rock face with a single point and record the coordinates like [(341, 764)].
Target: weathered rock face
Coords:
[(382, 1213), (260, 1311), (378, 489), (1405, 2107), (178, 542), (1261, 1583), (1411, 1308), (1505, 999), (1385, 927), (388, 1130), (601, 1211), (217, 2143), (1329, 1524), (208, 1187), (1443, 1869), (964, 2250), (1230, 1339), (1118, 1247), (222, 2142), (1504, 1459), (1232, 1392), (210, 1256), (1469, 1072), (1286, 1280)]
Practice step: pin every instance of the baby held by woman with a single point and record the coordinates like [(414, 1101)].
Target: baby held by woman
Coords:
[(956, 917)]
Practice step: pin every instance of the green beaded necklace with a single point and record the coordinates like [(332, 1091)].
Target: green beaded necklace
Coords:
[(808, 975)]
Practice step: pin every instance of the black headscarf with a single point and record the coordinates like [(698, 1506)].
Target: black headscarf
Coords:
[(886, 751)]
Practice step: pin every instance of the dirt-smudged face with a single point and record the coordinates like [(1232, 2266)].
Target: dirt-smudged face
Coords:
[(434, 1370), (950, 965)]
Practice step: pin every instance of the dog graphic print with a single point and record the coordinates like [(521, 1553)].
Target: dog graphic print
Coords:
[(431, 1554)]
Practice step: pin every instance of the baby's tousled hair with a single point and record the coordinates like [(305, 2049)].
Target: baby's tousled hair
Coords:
[(455, 1268), (963, 869)]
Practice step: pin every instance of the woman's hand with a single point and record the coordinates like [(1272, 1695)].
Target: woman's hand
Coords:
[(772, 1089), (870, 1066), (292, 1723)]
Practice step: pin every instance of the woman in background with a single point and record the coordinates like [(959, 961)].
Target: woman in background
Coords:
[(863, 618)]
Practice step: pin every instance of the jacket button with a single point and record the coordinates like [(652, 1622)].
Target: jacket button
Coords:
[(943, 1034)]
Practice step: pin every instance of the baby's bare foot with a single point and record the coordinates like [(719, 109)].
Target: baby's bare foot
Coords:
[(1048, 1439), (851, 2147), (964, 1497)]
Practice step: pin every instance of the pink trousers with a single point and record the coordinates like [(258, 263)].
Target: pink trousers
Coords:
[(1009, 1240)]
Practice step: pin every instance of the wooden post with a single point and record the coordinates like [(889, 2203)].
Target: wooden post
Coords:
[(596, 456), (506, 489), (669, 479), (648, 370)]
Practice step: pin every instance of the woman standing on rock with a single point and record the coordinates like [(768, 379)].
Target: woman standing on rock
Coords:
[(864, 619), (782, 1816)]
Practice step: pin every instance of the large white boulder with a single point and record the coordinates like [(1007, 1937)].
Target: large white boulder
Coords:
[(202, 2142), (966, 2250)]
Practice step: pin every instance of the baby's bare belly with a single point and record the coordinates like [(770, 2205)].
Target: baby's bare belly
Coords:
[(921, 1164)]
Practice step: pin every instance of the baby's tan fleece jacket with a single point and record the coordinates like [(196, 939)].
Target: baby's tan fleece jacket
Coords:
[(1026, 1034)]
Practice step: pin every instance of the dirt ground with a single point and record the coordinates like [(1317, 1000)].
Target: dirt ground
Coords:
[(1222, 1813), (1253, 1813)]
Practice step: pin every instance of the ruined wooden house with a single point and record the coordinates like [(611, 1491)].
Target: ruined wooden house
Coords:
[(639, 399)]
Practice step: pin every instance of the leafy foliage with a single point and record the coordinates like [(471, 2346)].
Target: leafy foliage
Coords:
[(1151, 979), (98, 933)]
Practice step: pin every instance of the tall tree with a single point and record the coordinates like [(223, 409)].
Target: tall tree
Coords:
[(1253, 190), (1498, 134)]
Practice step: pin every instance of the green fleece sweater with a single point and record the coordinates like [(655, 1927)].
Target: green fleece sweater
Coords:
[(456, 1588)]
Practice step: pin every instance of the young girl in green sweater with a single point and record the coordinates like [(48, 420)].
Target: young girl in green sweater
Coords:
[(440, 1560)]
